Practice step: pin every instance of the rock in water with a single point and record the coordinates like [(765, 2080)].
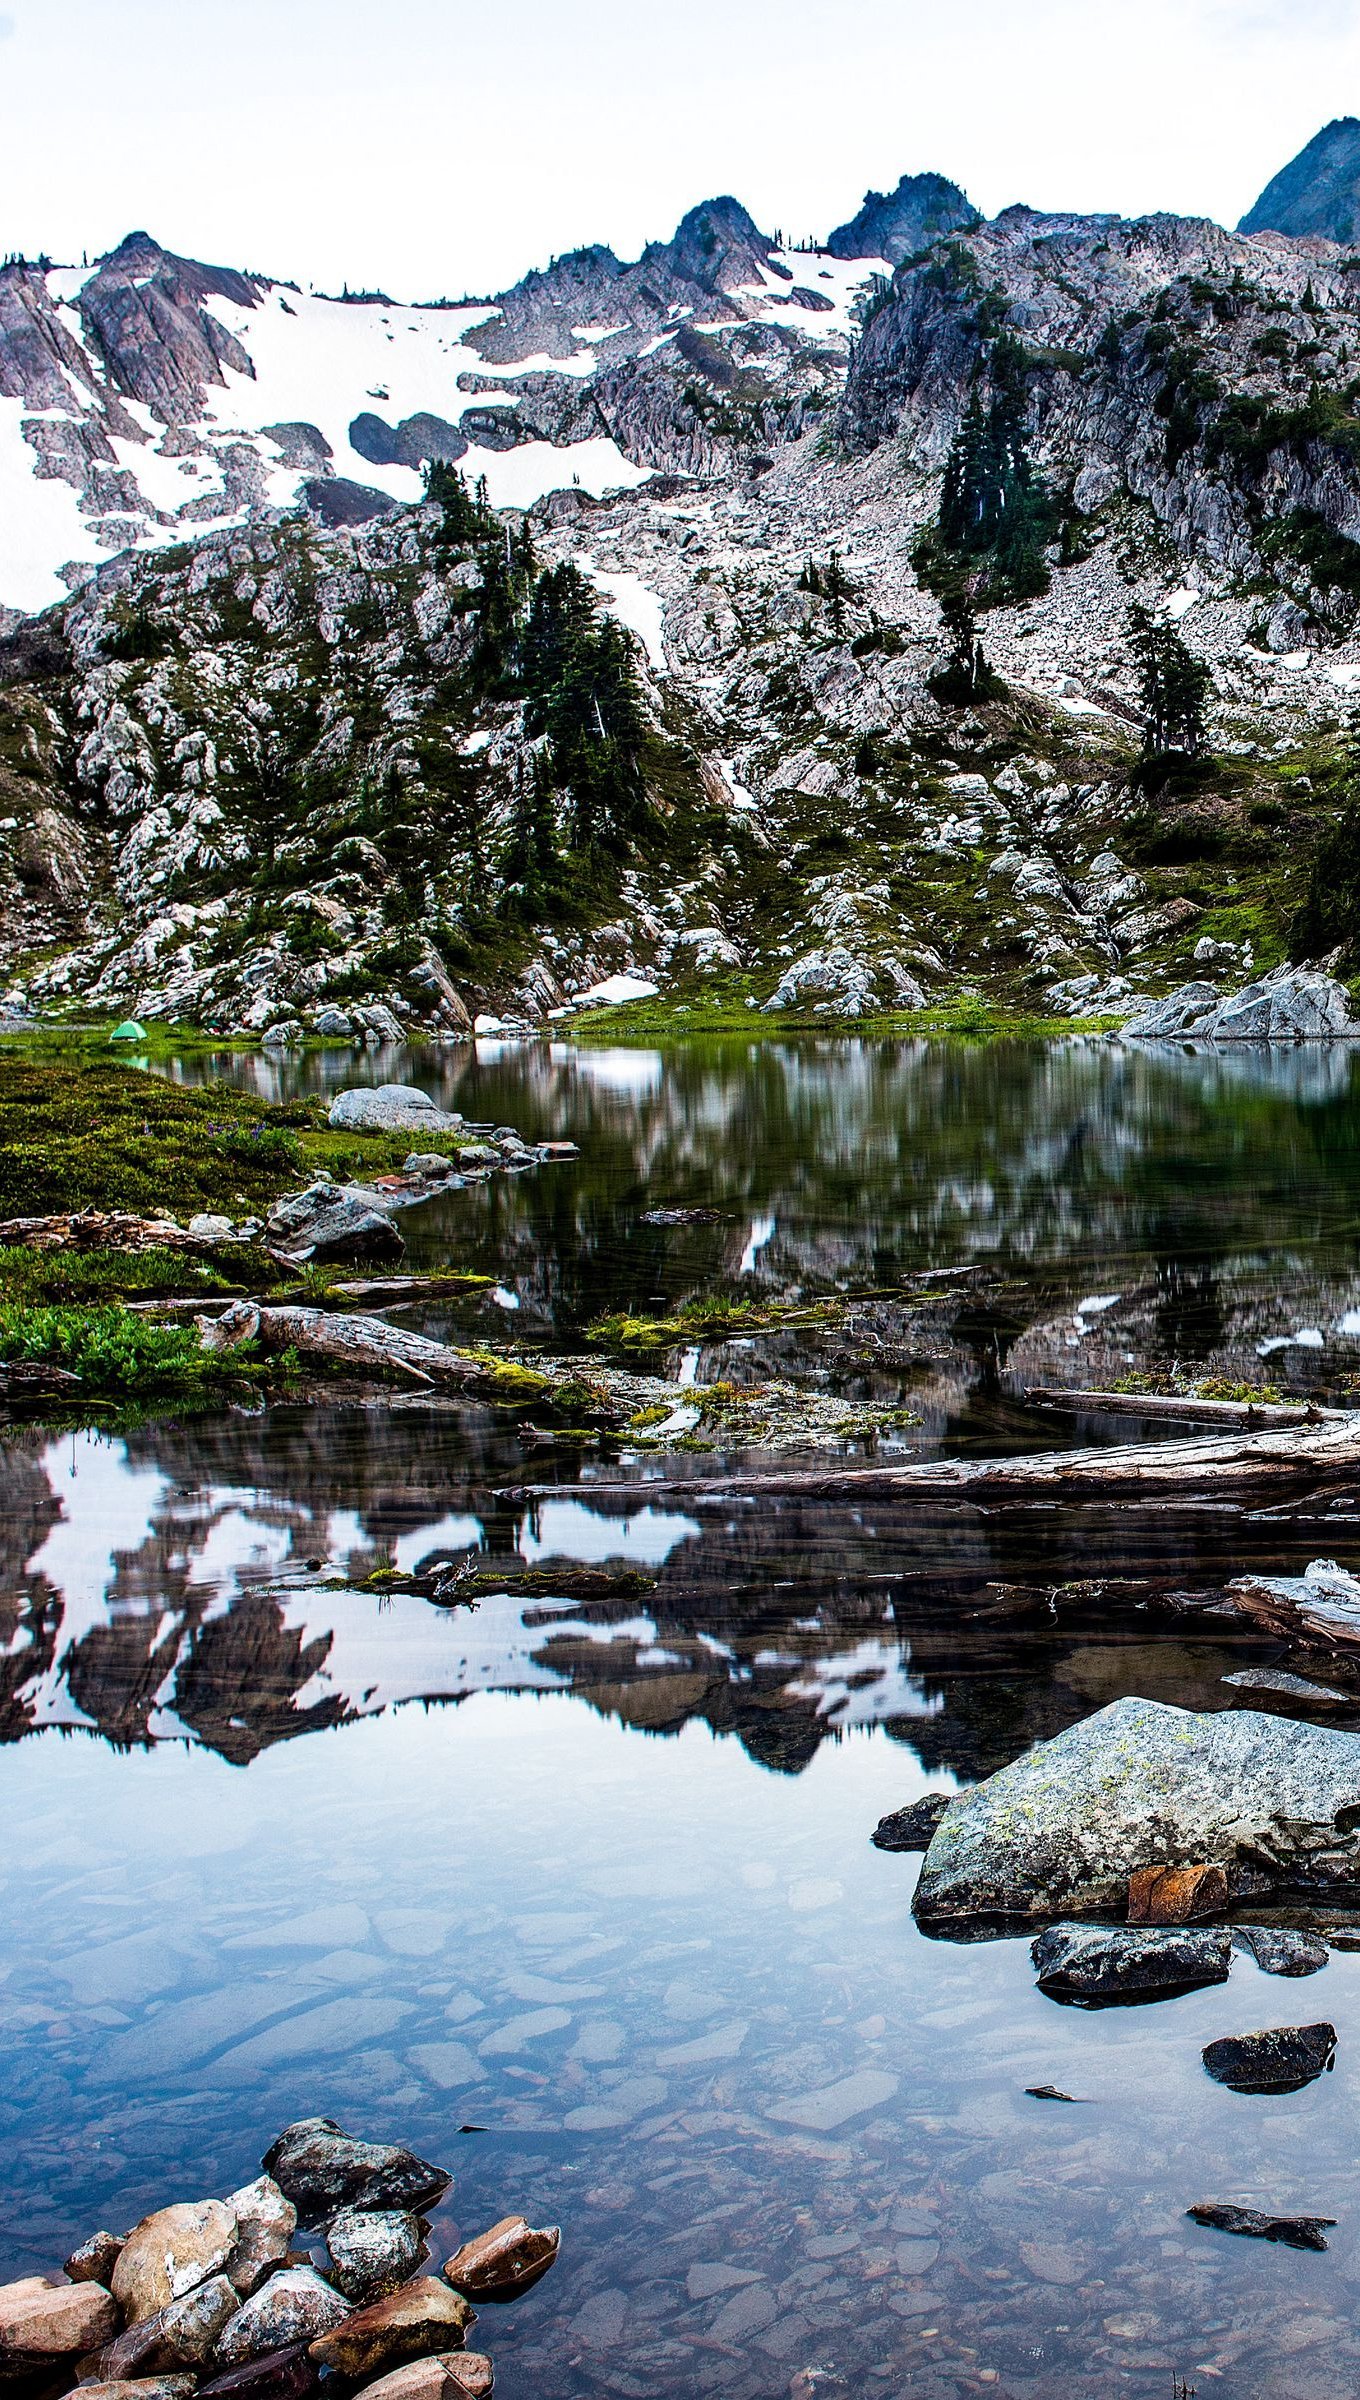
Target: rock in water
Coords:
[(296, 2306), (1099, 1966), (450, 2375), (506, 2260), (913, 1827), (322, 2169), (180, 2336), (42, 2323), (265, 2224), (290, 2374), (1172, 1895), (96, 2259), (1140, 1784), (389, 1108), (326, 1223), (1301, 2233), (1281, 2059), (1279, 1950), (168, 2253), (422, 2318), (373, 2250)]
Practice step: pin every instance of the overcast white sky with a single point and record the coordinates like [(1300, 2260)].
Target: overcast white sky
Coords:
[(442, 146)]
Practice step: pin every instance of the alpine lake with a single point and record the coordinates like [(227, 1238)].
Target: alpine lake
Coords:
[(570, 1884)]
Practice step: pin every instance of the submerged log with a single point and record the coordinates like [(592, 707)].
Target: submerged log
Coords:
[(1128, 1472), (1183, 1408)]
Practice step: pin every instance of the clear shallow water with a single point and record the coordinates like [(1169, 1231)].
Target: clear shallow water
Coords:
[(594, 1874)]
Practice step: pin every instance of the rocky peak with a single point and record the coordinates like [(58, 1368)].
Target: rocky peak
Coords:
[(1318, 193), (895, 225), (717, 246), (144, 315)]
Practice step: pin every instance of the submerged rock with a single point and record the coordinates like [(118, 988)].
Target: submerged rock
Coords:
[(1301, 2233), (450, 2375), (913, 1827), (289, 2374), (42, 2323), (1100, 1966), (95, 2259), (295, 2306), (322, 2169), (505, 2260), (1283, 2058), (1279, 1950), (422, 2318), (373, 2250), (170, 2252), (1140, 1784), (389, 1108)]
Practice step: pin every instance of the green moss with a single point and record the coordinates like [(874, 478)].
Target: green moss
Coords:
[(82, 1132), (91, 1276), (119, 1356)]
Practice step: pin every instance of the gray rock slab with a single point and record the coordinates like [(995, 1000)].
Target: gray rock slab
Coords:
[(913, 1827), (1281, 2058), (1280, 1950), (1101, 1966), (836, 2103), (389, 1108), (1140, 1784)]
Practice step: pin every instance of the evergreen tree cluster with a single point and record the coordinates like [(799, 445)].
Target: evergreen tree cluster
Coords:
[(1174, 686), (996, 513)]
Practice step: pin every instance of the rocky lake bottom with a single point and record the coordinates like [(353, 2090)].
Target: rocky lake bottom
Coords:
[(571, 1886)]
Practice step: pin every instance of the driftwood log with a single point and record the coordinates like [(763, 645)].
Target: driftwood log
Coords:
[(102, 1229), (364, 1345), (1129, 1472), (1181, 1408)]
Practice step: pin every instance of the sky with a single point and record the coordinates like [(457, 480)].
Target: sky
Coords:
[(441, 147)]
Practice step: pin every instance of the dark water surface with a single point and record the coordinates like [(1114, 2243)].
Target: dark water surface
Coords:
[(593, 1875)]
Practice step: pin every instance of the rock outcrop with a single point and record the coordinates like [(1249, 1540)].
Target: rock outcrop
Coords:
[(1292, 1004), (1318, 193)]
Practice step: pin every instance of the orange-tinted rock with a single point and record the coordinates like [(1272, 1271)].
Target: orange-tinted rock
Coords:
[(168, 2253), (421, 2319), (1173, 1895), (450, 2375), (505, 2260), (41, 2322)]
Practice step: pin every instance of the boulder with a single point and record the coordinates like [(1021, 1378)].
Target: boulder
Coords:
[(1283, 2058), (449, 2375), (265, 2224), (422, 2318), (333, 1024), (170, 2252), (504, 2261), (1279, 1950), (290, 2374), (1301, 2233), (95, 2259), (1292, 1004), (1141, 1784), (325, 1223), (295, 2306), (322, 2169), (1099, 1966), (180, 2336), (432, 1164), (42, 2323), (913, 1827), (389, 1108), (373, 2250)]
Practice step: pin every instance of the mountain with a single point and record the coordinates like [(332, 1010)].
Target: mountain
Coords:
[(896, 225), (1318, 193), (654, 677)]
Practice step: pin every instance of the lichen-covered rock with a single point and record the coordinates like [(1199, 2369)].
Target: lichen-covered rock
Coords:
[(181, 2336), (1139, 1784), (1280, 1950), (322, 2169), (1293, 1004), (265, 2224), (168, 2253), (389, 1108), (95, 2259), (295, 2306), (373, 2250), (1099, 1966), (326, 1223)]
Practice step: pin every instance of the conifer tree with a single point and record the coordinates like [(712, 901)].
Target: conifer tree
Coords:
[(1174, 687)]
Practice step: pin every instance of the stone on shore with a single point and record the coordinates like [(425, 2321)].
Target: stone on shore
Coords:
[(420, 2319), (294, 2306), (42, 2322), (1279, 1950), (326, 1223), (170, 2252), (322, 2169), (179, 2336), (143, 2387), (449, 2375), (290, 2374), (1291, 1004), (1100, 1966), (1301, 2233), (95, 2259), (389, 1108), (913, 1827), (1141, 1784), (265, 2224), (373, 2250), (1282, 2058), (505, 2260)]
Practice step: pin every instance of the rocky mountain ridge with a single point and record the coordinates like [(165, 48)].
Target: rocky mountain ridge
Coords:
[(274, 779)]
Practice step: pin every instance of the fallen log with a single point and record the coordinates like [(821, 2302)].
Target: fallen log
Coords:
[(1212, 1466), (1319, 1609), (1183, 1408), (106, 1229), (363, 1345)]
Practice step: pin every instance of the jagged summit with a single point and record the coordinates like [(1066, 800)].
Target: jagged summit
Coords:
[(1318, 193), (895, 225)]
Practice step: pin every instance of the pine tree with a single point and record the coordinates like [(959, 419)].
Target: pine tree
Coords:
[(1174, 686)]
